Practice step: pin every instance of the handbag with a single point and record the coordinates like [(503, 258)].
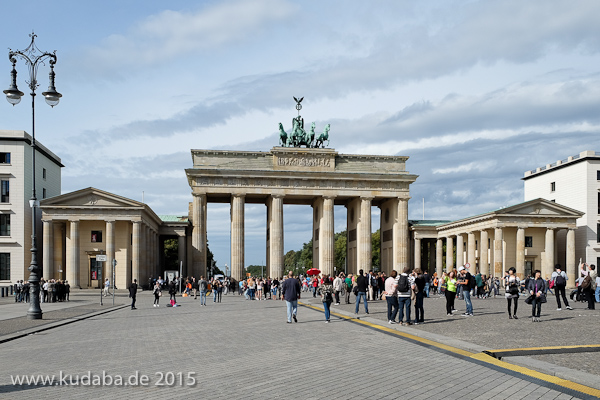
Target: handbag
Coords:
[(159, 294), (355, 290), (529, 300)]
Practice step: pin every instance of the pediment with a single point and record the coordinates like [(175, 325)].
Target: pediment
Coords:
[(540, 207), (90, 198)]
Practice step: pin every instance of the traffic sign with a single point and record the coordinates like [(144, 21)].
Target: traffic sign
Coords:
[(101, 257)]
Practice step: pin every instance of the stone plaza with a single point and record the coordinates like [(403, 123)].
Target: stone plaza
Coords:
[(244, 349)]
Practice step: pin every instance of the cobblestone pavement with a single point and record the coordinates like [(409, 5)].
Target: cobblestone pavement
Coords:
[(245, 349), (491, 328)]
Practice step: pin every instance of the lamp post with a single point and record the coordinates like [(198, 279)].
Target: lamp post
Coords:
[(33, 58)]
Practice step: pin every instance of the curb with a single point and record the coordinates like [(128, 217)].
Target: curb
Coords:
[(52, 325)]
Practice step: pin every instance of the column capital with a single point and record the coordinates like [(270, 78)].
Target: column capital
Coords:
[(521, 227), (329, 197), (550, 228), (198, 194), (110, 221), (370, 198), (278, 196)]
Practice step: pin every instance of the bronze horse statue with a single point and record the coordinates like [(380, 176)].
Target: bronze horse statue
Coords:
[(323, 137)]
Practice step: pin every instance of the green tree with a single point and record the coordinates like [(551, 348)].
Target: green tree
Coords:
[(340, 246), (256, 270), (376, 251), (171, 252)]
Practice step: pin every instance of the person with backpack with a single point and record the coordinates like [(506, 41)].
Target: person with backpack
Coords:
[(559, 282), (467, 282), (420, 281), (361, 288), (326, 290), (391, 293), (406, 284)]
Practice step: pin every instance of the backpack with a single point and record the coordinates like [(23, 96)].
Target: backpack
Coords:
[(472, 282), (374, 282), (403, 284), (560, 280)]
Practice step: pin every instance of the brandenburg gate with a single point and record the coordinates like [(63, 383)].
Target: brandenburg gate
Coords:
[(317, 177)]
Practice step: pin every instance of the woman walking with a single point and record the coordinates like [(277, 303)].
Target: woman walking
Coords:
[(450, 292), (511, 284), (326, 296), (259, 289), (157, 293), (536, 290)]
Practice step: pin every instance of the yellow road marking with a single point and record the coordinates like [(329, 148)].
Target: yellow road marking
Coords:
[(548, 348), (479, 356)]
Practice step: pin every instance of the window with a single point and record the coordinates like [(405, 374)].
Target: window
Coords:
[(43, 193), (5, 191), (552, 186), (528, 241), (598, 175), (4, 224), (44, 173), (96, 236), (4, 266), (598, 202), (4, 158)]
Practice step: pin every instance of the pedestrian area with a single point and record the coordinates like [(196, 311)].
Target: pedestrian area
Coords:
[(245, 349)]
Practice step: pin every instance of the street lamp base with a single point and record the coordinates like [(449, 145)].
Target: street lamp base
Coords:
[(34, 314)]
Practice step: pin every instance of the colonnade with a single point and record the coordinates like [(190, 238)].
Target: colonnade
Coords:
[(394, 245), (507, 249)]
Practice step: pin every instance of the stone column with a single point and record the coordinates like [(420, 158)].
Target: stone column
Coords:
[(417, 263), (471, 252), (181, 251), (364, 235), (498, 245), (199, 235), (460, 244), (484, 263), (439, 256), (520, 262), (571, 261), (548, 266), (73, 258), (136, 251), (110, 248), (47, 265), (275, 237), (237, 236), (326, 238), (58, 259), (449, 254), (401, 236)]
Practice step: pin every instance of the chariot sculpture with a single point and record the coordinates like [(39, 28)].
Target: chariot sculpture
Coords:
[(298, 137)]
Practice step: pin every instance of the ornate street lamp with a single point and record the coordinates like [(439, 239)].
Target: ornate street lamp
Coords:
[(33, 58)]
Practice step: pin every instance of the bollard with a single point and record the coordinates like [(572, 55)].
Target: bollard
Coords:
[(11, 290), (2, 291)]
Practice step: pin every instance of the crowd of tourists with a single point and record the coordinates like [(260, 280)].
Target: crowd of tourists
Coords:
[(51, 291)]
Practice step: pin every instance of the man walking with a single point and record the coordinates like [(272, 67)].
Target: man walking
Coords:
[(106, 287), (132, 293), (290, 292), (338, 283), (203, 286), (464, 280), (362, 285), (560, 282)]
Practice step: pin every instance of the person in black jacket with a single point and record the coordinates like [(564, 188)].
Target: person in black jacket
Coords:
[(133, 293), (362, 285), (536, 289)]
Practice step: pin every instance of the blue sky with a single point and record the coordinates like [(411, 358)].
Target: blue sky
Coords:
[(474, 92)]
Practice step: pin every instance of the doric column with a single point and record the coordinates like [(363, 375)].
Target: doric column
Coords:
[(571, 261), (47, 248), (471, 252), (237, 236), (136, 251), (401, 236), (484, 264), (439, 256), (449, 254), (199, 235), (110, 247), (417, 263), (364, 235), (73, 255), (460, 249), (549, 254), (498, 245), (181, 252), (520, 262), (147, 255), (326, 241), (275, 239), (58, 256)]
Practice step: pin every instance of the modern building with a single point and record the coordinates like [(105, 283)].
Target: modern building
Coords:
[(575, 183), (16, 177)]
